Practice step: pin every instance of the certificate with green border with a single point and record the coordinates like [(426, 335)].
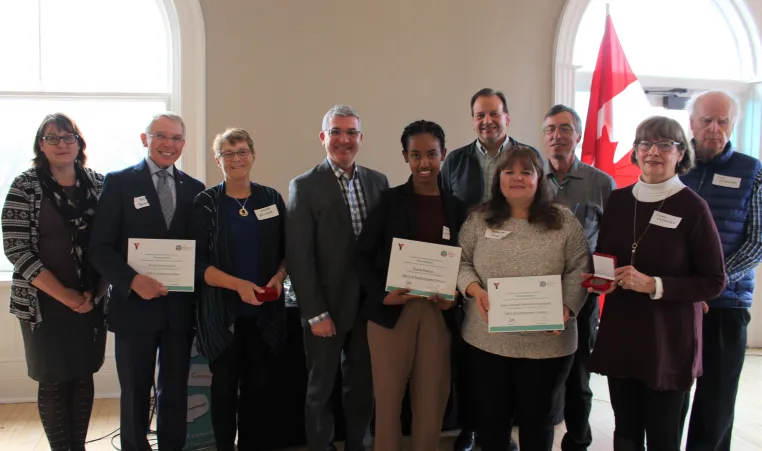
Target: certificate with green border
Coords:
[(171, 262), (425, 269), (525, 304)]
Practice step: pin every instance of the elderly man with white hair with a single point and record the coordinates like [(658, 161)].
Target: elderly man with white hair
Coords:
[(729, 182)]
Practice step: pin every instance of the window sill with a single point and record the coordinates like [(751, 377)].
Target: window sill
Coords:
[(5, 278)]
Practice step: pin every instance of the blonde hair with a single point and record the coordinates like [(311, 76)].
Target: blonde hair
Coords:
[(231, 136)]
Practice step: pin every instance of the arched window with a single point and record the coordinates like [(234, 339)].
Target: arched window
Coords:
[(669, 53), (110, 65)]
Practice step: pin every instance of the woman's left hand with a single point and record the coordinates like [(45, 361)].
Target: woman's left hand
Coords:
[(566, 319), (276, 282), (629, 278)]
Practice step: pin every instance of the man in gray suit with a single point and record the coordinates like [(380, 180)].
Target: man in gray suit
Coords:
[(326, 209)]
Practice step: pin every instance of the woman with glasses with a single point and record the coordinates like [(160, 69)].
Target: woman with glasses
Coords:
[(239, 230), (669, 262), (56, 293)]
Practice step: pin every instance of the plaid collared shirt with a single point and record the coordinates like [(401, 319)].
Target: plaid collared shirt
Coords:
[(351, 189)]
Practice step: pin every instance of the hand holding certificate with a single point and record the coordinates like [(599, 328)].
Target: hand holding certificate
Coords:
[(169, 262), (522, 304), (425, 269)]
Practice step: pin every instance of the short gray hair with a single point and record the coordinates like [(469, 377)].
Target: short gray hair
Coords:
[(340, 111), (690, 106), (169, 115)]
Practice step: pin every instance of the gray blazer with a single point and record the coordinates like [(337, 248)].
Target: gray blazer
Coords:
[(320, 243)]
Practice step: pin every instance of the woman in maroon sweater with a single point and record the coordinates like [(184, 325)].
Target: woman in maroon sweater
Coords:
[(670, 262)]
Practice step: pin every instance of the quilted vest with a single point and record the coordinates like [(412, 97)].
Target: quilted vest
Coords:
[(716, 183)]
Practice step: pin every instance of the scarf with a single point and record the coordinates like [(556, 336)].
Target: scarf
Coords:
[(79, 213)]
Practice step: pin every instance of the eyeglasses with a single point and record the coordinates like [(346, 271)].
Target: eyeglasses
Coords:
[(243, 153), (351, 133), (662, 146), (565, 129), (176, 140), (54, 140)]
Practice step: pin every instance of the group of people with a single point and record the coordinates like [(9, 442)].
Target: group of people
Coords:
[(685, 237)]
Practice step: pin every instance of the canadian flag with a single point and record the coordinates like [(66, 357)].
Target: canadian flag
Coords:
[(617, 105)]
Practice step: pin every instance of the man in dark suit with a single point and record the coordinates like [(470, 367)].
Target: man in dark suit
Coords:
[(149, 200), (326, 209)]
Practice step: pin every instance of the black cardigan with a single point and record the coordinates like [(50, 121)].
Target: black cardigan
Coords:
[(216, 310), (394, 217)]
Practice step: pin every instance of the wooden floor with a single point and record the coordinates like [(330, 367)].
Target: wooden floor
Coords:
[(20, 428)]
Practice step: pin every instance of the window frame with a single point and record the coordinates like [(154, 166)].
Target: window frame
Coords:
[(187, 94), (567, 77)]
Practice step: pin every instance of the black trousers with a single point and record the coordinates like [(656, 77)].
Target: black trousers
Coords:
[(239, 378), (135, 366), (642, 413), (501, 388), (711, 423), (325, 356), (577, 399)]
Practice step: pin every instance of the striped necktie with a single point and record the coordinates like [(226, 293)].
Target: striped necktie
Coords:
[(165, 196)]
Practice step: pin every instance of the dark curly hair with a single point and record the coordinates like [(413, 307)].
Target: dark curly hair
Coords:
[(542, 211), (420, 127)]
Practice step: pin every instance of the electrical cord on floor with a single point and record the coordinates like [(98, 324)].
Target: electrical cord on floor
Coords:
[(152, 434)]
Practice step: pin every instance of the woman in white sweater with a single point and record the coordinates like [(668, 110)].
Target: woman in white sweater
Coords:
[(519, 233)]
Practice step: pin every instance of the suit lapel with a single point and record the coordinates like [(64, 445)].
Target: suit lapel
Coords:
[(332, 188), (145, 182), (183, 197)]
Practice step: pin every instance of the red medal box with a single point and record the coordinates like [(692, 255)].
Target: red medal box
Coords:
[(270, 294), (603, 272)]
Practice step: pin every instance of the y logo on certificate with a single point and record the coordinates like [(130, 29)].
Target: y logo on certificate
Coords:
[(525, 304), (171, 262), (425, 269)]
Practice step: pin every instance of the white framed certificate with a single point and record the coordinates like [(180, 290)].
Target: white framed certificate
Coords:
[(523, 304), (425, 269), (171, 262)]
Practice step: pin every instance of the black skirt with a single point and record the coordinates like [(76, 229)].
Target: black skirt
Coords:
[(66, 345)]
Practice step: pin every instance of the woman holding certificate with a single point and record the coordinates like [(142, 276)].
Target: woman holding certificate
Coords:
[(410, 336), (240, 246), (519, 234), (669, 261), (47, 222)]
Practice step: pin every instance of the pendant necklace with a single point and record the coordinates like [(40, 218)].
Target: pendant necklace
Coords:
[(636, 241), (243, 211)]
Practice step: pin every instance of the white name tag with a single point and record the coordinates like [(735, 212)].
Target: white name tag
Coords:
[(140, 202), (267, 212), (726, 181), (664, 220), (445, 233), (496, 234)]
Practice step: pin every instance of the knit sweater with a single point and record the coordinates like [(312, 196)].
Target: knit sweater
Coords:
[(528, 250)]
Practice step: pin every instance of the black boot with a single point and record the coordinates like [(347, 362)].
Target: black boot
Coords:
[(466, 441)]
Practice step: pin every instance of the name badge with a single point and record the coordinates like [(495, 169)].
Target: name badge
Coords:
[(267, 212), (726, 181), (496, 234), (140, 202), (664, 220), (445, 233)]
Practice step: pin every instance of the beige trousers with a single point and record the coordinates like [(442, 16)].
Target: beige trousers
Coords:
[(416, 350)]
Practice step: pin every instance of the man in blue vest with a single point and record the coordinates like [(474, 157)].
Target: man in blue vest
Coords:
[(730, 183)]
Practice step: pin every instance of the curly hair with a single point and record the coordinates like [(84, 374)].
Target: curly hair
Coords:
[(420, 127)]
